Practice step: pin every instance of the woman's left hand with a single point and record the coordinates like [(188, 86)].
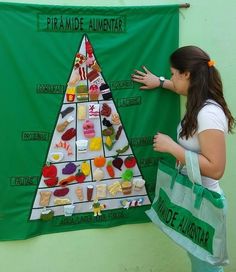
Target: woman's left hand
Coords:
[(163, 143)]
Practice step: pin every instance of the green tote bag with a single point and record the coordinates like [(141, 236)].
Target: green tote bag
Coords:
[(193, 216)]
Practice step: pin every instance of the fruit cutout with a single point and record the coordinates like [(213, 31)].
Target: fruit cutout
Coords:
[(99, 161), (69, 169), (95, 144), (85, 168), (89, 152), (130, 162)]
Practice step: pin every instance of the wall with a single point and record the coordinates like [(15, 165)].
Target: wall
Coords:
[(208, 24)]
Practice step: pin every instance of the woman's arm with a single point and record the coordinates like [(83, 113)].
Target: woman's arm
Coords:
[(212, 155), (150, 81)]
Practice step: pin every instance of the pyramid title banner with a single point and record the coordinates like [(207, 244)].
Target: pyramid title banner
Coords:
[(89, 23), (78, 132)]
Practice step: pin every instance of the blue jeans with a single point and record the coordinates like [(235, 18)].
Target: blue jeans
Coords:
[(201, 266)]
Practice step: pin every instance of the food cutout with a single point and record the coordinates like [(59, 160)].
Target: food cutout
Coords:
[(56, 156)]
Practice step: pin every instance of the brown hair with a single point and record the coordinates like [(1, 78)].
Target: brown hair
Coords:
[(205, 83)]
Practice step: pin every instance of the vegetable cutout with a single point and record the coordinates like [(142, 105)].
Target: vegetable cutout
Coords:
[(51, 181), (122, 150), (98, 174), (67, 180), (110, 169), (80, 177), (49, 171), (117, 163), (127, 175)]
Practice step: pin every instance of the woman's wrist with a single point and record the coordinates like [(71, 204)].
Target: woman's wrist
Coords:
[(166, 84), (162, 81), (178, 152)]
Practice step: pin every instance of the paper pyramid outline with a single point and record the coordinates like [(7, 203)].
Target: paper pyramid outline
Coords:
[(84, 124)]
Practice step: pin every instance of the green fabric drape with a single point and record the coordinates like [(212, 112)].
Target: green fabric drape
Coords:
[(37, 49)]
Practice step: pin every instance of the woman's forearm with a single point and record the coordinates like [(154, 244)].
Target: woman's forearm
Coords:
[(168, 84)]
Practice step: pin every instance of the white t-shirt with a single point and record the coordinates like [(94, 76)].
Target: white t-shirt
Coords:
[(211, 116)]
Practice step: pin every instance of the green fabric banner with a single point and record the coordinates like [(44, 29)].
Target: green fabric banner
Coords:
[(77, 133)]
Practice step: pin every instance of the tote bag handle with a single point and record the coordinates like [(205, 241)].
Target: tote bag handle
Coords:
[(194, 175), (192, 165)]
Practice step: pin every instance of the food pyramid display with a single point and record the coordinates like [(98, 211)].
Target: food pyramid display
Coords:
[(90, 166)]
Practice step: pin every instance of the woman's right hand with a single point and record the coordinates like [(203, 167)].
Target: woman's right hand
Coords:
[(148, 79)]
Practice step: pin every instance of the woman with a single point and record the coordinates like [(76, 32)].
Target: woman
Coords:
[(205, 124)]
